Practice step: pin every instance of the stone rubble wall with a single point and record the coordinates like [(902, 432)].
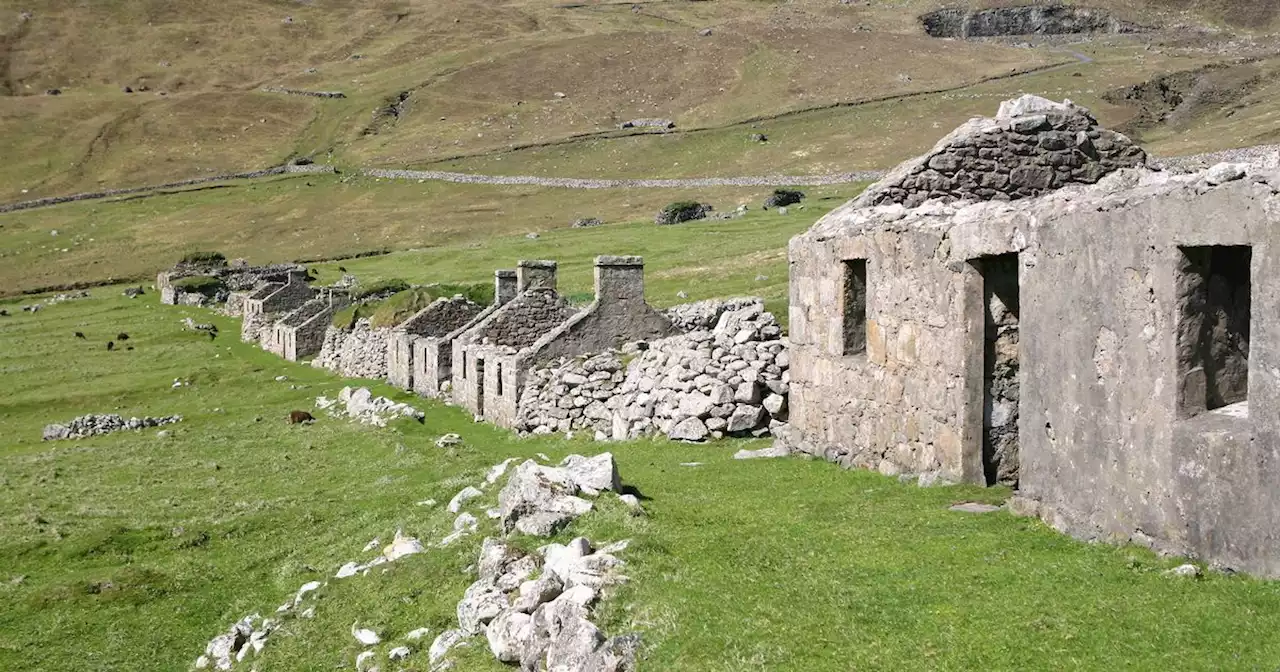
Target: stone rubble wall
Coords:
[(729, 380), (358, 353), (253, 324), (526, 319), (1032, 146)]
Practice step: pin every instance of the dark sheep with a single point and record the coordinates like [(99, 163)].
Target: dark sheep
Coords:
[(300, 418), (80, 335), (122, 336), (342, 268), (111, 345), (4, 313)]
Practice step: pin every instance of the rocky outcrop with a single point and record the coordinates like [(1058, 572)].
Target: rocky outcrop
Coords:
[(1031, 147), (360, 352), (95, 425), (730, 380), (1026, 20)]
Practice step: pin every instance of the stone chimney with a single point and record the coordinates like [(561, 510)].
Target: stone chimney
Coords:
[(531, 274), (619, 278), (299, 277), (504, 286)]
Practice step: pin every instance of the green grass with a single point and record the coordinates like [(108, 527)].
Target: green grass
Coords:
[(136, 550), (308, 217)]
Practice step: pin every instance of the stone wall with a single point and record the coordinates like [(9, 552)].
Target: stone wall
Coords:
[(526, 319), (360, 352), (1031, 147), (1102, 450), (728, 380)]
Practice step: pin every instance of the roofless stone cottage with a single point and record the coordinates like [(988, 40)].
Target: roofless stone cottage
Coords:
[(1028, 304)]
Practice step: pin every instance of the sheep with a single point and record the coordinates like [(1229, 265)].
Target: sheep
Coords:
[(300, 418)]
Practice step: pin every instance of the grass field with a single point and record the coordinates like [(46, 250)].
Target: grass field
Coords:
[(311, 217), (131, 551)]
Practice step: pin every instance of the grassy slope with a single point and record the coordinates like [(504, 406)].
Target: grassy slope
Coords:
[(326, 216), (170, 540), (482, 77)]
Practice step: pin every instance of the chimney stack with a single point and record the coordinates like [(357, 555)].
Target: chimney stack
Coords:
[(619, 278), (504, 286), (535, 274)]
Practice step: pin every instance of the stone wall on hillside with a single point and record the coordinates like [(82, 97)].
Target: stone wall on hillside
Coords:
[(1031, 147), (728, 380), (360, 352)]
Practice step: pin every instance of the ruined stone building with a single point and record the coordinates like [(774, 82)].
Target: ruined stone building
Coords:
[(420, 349), (492, 358), (1027, 304), (231, 282), (300, 333), (268, 303)]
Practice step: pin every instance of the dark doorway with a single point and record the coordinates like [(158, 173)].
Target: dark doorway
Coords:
[(1000, 396), (1213, 293), (479, 382)]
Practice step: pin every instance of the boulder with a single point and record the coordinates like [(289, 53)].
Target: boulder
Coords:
[(509, 634), (689, 429)]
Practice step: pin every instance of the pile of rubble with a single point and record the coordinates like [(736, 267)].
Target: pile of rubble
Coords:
[(359, 404), (731, 379), (534, 609), (360, 352), (95, 425)]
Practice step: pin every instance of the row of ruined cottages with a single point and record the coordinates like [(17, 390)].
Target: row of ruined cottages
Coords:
[(531, 361)]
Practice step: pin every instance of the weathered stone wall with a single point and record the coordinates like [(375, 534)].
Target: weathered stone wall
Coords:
[(360, 352), (618, 315), (301, 333), (1031, 147), (1102, 451), (729, 380), (525, 319), (899, 404)]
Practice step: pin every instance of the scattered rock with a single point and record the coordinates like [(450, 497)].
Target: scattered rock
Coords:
[(1185, 571), (975, 507), (360, 404)]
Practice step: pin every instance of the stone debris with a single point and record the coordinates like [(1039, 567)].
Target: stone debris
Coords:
[(360, 352), (96, 425), (448, 441), (248, 636), (1031, 147), (539, 500), (465, 495), (534, 609), (360, 404), (729, 380), (1185, 571), (974, 507), (365, 636), (772, 451), (402, 546)]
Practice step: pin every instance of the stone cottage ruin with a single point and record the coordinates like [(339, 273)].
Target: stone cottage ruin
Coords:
[(1028, 304), (491, 358), (268, 303)]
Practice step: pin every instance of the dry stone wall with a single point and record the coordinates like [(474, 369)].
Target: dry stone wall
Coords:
[(358, 353), (526, 319), (1031, 147), (731, 379)]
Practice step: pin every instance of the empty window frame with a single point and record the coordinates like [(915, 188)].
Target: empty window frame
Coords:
[(1214, 302), (854, 306)]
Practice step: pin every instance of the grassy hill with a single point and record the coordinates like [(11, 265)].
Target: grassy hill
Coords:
[(479, 78), (130, 551)]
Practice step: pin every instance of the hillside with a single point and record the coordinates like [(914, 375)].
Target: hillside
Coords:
[(427, 80)]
